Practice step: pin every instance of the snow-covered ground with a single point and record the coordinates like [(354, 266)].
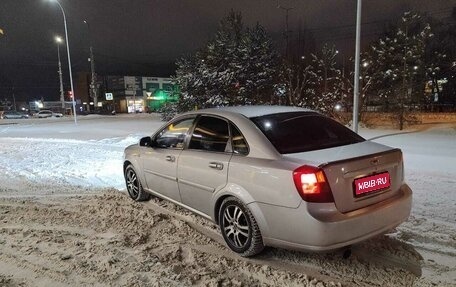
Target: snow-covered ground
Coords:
[(44, 158), (89, 154)]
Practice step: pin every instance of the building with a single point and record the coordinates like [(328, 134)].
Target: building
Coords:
[(158, 91), (129, 94)]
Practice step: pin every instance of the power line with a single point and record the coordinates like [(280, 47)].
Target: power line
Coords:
[(385, 21)]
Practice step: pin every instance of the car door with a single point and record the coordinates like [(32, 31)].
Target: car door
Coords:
[(160, 161), (203, 166)]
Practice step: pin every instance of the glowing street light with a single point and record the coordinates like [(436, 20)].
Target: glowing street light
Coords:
[(69, 58)]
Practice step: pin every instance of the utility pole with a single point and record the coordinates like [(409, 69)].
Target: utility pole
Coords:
[(93, 82), (287, 31), (62, 96), (14, 99)]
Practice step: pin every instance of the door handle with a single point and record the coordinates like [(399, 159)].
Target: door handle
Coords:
[(216, 165), (170, 158)]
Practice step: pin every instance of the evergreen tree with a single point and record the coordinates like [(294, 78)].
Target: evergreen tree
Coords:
[(238, 67), (257, 75)]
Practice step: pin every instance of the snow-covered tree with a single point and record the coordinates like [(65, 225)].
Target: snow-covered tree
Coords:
[(299, 83), (237, 67), (398, 64), (258, 71), (316, 84), (329, 83)]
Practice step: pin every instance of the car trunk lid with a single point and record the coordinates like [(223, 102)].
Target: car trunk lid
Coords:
[(359, 174)]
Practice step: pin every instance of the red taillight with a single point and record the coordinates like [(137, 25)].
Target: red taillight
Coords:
[(311, 184)]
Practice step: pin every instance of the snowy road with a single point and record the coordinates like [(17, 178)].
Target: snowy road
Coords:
[(42, 160)]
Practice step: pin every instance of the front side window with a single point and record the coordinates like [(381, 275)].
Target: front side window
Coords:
[(210, 134), (303, 131), (173, 136)]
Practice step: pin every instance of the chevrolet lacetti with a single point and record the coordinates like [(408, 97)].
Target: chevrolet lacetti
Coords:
[(272, 176)]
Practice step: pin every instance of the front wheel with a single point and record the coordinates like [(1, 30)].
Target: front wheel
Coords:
[(239, 228), (134, 187)]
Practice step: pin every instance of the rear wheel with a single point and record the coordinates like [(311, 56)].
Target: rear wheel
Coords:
[(134, 187), (239, 228)]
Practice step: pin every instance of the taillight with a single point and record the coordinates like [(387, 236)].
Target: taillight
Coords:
[(311, 184)]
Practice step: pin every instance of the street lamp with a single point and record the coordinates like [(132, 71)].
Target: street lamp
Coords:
[(59, 41), (69, 59), (357, 60)]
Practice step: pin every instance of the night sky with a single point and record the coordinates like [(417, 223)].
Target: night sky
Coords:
[(144, 37)]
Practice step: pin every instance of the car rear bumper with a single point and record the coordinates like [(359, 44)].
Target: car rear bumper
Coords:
[(320, 226)]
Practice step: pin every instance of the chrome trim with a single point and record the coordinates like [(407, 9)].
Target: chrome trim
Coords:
[(393, 150)]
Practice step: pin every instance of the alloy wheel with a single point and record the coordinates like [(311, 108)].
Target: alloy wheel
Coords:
[(132, 183), (236, 226)]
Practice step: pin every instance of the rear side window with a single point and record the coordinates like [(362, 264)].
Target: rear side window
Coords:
[(303, 131), (210, 134), (239, 144)]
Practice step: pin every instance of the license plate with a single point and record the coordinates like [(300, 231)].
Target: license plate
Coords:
[(373, 183)]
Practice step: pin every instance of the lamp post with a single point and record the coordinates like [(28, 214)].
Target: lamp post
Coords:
[(59, 40), (93, 87), (357, 60), (69, 60)]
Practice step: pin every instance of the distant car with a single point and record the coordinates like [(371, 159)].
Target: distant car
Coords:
[(13, 115), (48, 114), (32, 113), (273, 176)]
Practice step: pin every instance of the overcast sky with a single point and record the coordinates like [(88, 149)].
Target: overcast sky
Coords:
[(146, 36)]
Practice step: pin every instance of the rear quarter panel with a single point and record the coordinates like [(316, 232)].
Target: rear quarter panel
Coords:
[(266, 181)]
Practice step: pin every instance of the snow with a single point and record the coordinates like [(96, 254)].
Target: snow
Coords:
[(88, 154), (430, 163), (41, 157)]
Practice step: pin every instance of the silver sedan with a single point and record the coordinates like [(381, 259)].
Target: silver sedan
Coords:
[(273, 176)]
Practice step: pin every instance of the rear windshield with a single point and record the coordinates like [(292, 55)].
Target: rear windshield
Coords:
[(303, 131)]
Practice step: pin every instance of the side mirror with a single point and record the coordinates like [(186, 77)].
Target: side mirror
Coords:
[(146, 141)]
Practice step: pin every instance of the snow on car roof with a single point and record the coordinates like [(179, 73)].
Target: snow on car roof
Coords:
[(256, 111)]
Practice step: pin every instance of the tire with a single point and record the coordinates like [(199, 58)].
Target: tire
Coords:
[(134, 186), (239, 228)]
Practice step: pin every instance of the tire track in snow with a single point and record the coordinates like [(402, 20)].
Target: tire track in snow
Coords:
[(310, 265)]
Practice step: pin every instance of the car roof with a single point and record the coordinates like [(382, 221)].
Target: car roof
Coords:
[(254, 111)]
